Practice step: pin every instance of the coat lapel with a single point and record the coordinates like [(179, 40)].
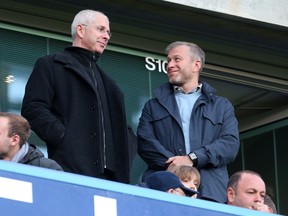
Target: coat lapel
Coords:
[(75, 67)]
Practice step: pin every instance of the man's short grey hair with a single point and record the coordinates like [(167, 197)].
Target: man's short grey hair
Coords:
[(195, 51), (83, 17)]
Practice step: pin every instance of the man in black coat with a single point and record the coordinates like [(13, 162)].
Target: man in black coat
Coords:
[(76, 108), (14, 132)]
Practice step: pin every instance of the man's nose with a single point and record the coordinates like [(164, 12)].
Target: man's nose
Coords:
[(259, 198), (170, 64)]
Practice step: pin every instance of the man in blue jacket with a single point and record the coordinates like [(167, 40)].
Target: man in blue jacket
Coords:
[(187, 124)]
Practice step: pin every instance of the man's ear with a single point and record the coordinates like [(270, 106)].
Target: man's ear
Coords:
[(230, 195), (15, 140), (80, 30), (197, 66)]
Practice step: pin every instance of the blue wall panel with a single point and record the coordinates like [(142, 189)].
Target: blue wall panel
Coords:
[(59, 193)]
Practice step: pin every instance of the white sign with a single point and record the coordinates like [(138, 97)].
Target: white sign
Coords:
[(104, 206), (155, 64), (16, 190)]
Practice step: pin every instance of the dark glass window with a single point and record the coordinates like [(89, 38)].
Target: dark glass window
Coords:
[(282, 161), (259, 157), (263, 151)]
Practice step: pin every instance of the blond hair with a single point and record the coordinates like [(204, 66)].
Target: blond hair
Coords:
[(185, 172)]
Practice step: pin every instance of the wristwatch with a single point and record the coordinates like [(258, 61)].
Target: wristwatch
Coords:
[(194, 158)]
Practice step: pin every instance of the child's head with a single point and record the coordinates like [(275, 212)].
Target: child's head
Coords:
[(189, 176)]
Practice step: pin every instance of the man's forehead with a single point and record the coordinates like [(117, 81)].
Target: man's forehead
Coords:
[(101, 18), (250, 180), (3, 124), (3, 120)]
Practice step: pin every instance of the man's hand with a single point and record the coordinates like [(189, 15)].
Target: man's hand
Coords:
[(179, 161), (261, 207)]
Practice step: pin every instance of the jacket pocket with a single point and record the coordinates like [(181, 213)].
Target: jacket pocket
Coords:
[(212, 127), (214, 118), (162, 124)]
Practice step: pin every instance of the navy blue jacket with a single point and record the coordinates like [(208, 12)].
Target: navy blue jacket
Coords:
[(214, 137)]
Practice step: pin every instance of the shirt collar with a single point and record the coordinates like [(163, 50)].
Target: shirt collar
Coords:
[(178, 89)]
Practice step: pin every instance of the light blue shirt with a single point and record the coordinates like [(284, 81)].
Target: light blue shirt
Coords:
[(185, 104)]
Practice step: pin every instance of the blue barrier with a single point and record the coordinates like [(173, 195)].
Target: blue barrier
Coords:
[(28, 190)]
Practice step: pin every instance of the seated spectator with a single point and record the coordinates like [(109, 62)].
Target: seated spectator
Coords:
[(269, 202), (189, 176), (168, 182), (247, 189), (14, 133)]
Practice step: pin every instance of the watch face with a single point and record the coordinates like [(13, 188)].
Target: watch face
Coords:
[(192, 156)]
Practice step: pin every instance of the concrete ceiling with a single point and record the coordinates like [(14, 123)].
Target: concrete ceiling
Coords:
[(246, 60)]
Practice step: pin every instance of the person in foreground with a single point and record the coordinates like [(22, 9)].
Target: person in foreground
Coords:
[(76, 108), (14, 133), (189, 176), (188, 124), (168, 182), (247, 189)]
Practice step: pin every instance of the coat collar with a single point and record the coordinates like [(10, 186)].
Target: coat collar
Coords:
[(167, 89), (82, 55), (71, 57), (165, 96)]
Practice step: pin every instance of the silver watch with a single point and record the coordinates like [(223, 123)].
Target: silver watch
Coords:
[(193, 157)]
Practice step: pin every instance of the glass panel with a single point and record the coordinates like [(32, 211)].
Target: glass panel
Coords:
[(236, 165), (56, 45), (259, 157), (18, 53), (282, 161)]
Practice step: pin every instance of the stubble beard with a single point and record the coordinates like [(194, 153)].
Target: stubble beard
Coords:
[(177, 80)]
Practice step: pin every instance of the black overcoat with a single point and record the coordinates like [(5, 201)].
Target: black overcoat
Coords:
[(60, 104)]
